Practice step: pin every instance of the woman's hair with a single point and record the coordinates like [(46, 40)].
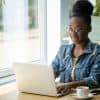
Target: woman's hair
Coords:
[(82, 8)]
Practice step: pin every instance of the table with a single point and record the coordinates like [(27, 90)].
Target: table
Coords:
[(10, 92)]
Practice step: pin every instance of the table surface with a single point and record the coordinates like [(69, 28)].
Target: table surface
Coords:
[(10, 92)]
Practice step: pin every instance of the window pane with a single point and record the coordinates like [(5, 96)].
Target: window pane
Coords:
[(1, 25), (19, 32), (33, 14)]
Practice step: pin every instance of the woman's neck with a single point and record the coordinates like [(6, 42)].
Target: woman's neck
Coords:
[(81, 45), (79, 48)]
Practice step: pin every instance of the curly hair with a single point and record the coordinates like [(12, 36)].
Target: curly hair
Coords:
[(82, 8)]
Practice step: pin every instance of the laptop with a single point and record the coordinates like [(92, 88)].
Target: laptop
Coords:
[(35, 78)]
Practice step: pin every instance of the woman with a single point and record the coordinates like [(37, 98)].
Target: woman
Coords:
[(78, 63)]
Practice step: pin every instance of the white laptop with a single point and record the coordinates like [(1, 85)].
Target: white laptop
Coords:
[(35, 78)]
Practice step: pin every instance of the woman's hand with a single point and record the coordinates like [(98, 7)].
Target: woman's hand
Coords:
[(64, 89)]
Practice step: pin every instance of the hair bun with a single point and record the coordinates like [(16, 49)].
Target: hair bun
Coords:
[(82, 7)]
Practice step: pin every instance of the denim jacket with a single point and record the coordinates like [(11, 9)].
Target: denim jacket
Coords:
[(87, 66)]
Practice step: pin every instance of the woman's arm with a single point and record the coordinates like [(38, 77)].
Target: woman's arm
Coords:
[(68, 86), (56, 63), (93, 80)]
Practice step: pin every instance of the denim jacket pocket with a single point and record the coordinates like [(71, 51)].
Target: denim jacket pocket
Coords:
[(62, 68), (84, 72), (62, 73), (65, 73)]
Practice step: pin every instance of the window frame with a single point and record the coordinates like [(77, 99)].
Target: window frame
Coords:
[(48, 38), (7, 74)]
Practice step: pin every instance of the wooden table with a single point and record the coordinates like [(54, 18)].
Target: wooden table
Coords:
[(10, 92)]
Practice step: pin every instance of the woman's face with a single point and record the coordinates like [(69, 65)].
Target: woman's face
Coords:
[(78, 30)]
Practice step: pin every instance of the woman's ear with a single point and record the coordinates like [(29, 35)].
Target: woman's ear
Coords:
[(89, 28)]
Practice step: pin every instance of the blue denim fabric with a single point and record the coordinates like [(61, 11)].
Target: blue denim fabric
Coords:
[(87, 66)]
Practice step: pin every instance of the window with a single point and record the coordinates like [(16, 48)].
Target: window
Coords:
[(66, 6), (53, 28), (30, 29), (21, 28), (33, 14), (1, 18)]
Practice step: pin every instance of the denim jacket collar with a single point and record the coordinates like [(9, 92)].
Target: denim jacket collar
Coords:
[(69, 50), (88, 48)]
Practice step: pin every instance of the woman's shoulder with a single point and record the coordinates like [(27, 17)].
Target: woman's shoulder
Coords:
[(66, 46), (97, 47)]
